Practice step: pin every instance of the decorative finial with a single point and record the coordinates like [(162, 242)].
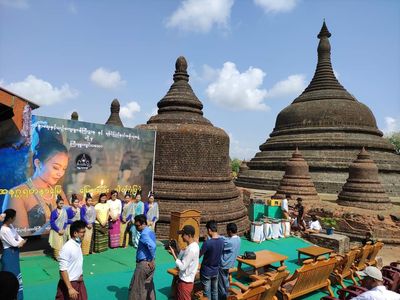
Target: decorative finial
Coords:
[(115, 106), (324, 31), (75, 116), (181, 64), (181, 69)]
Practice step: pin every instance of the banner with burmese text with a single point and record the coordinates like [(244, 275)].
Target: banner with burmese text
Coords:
[(62, 157)]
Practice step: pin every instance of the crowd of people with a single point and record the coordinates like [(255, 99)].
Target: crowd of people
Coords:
[(108, 222)]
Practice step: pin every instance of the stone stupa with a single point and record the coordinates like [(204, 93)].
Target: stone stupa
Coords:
[(330, 127), (114, 118), (297, 181), (192, 160), (363, 188)]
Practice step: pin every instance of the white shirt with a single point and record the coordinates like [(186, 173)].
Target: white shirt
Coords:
[(71, 259), (115, 207), (188, 262), (378, 293), (9, 236), (315, 225), (285, 205)]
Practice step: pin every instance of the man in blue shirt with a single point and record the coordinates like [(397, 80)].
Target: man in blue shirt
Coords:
[(228, 259), (212, 251), (142, 285)]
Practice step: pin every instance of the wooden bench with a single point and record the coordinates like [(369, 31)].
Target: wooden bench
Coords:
[(344, 266)]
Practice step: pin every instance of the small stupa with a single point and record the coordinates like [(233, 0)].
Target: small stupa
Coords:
[(75, 116), (363, 188), (114, 118), (297, 180)]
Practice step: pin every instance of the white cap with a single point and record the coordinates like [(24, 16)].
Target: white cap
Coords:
[(372, 272)]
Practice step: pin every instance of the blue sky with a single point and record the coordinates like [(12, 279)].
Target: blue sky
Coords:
[(247, 59)]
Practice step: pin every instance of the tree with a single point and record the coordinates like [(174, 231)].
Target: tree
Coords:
[(394, 139), (235, 165)]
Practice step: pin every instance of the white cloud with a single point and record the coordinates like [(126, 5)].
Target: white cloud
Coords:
[(236, 90), (106, 79), (207, 74), (41, 92), (292, 86), (201, 15), (276, 6), (392, 125), (20, 4), (236, 150), (129, 110)]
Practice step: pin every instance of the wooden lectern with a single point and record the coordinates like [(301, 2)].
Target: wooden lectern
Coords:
[(180, 219)]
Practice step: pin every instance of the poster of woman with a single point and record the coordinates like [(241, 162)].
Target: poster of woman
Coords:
[(68, 157)]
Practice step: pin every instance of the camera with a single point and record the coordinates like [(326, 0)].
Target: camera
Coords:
[(171, 243)]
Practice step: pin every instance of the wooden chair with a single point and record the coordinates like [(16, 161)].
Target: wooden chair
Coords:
[(343, 269), (273, 280), (371, 261), (254, 291), (311, 276), (361, 260)]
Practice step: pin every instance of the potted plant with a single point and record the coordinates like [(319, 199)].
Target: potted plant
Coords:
[(329, 224)]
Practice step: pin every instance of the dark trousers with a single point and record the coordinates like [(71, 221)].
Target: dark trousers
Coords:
[(142, 285)]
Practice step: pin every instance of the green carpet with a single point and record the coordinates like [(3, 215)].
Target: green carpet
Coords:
[(108, 274)]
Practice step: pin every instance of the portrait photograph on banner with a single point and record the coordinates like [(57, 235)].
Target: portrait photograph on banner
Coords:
[(68, 158)]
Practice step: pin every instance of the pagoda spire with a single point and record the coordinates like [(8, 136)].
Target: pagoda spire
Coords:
[(324, 77)]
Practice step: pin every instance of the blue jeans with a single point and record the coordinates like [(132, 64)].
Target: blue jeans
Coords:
[(210, 286), (223, 283)]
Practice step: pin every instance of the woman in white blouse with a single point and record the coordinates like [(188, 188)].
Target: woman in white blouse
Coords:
[(11, 241)]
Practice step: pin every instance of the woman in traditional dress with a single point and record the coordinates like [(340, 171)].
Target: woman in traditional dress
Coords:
[(88, 215), (151, 212), (11, 241), (126, 217), (101, 224), (73, 213), (139, 210), (58, 224), (35, 199), (114, 222)]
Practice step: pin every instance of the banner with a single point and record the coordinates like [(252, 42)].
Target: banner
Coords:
[(65, 157)]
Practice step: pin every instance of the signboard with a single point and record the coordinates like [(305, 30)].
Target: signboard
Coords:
[(62, 157)]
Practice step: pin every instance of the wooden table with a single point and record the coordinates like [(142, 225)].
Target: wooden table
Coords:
[(264, 259), (313, 251)]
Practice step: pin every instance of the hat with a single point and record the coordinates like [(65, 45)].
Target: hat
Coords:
[(372, 272), (187, 229)]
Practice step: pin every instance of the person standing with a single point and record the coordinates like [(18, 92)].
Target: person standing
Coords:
[(11, 241), (126, 217), (71, 284), (228, 259), (58, 224), (88, 215), (139, 210), (300, 214), (142, 285), (212, 250), (187, 262), (101, 224), (114, 222), (151, 211), (73, 213)]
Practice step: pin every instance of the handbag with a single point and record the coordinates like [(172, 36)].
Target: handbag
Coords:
[(249, 255)]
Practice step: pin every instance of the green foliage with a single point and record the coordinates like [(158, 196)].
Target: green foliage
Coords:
[(235, 164), (394, 139), (329, 222)]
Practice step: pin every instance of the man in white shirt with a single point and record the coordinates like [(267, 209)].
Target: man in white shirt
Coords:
[(187, 262), (314, 226), (71, 285), (373, 281)]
